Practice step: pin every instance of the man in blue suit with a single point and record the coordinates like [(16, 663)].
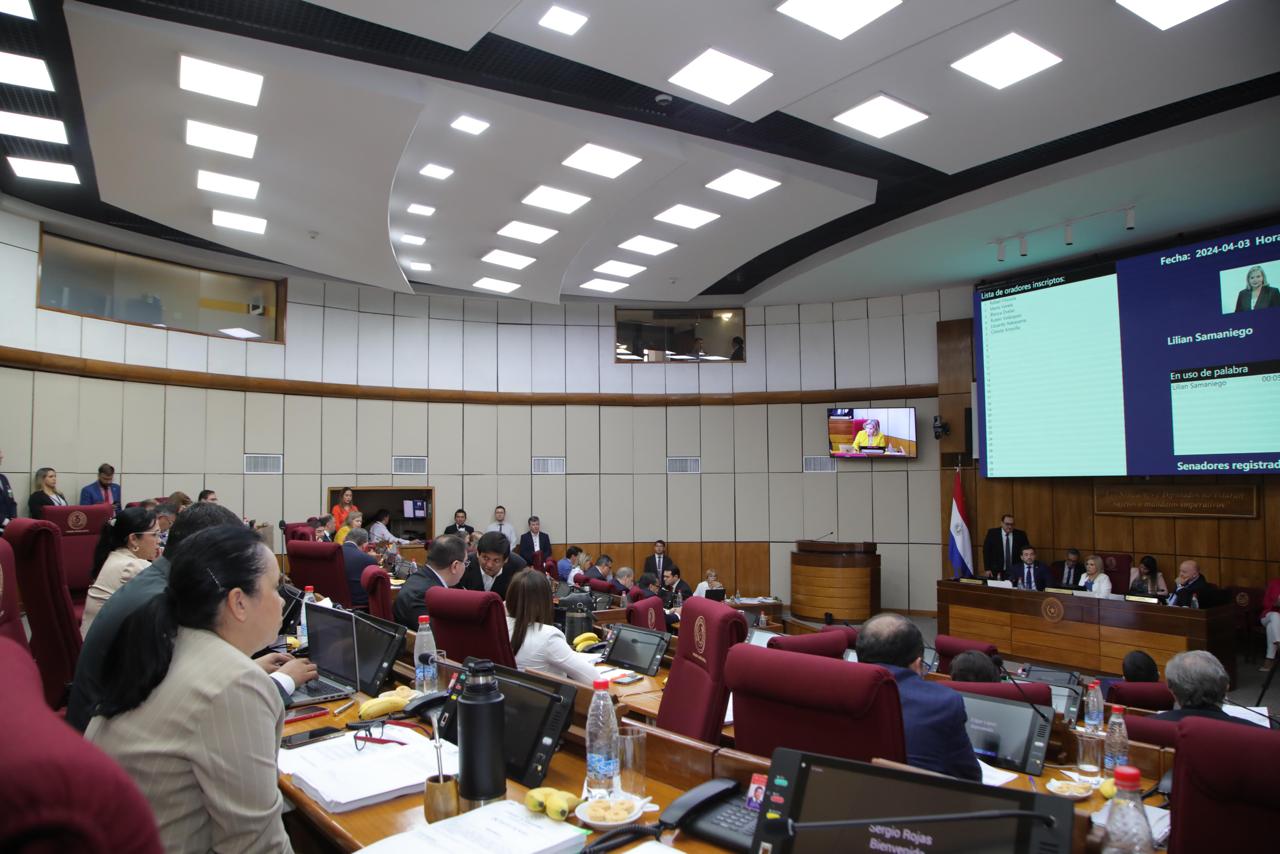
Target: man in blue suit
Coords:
[(1030, 574), (103, 490), (933, 716)]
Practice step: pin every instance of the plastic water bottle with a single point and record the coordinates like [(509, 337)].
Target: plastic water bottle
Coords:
[(679, 600), (308, 595), (1128, 831), (1093, 708), (424, 657), (1195, 600), (1117, 744), (602, 743)]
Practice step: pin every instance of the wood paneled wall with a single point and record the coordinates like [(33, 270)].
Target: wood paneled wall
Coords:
[(741, 567)]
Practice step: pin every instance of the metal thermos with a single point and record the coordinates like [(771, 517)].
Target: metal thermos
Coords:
[(576, 622), (482, 774)]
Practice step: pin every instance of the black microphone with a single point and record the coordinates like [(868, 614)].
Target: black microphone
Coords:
[(1023, 694), (824, 536), (787, 827), (1250, 708)]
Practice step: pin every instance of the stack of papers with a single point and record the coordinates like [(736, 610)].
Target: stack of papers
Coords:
[(506, 827), (1252, 714), (992, 776), (341, 778)]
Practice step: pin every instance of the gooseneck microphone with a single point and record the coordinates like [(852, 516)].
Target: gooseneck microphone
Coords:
[(788, 827), (1022, 693)]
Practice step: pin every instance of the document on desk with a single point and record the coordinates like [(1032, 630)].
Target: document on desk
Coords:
[(1252, 714), (992, 776), (341, 778), (507, 827)]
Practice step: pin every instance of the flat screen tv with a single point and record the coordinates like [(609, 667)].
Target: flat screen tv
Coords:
[(860, 434)]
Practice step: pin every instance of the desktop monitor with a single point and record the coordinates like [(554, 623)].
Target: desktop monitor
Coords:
[(378, 643), (1008, 733), (331, 642), (636, 649)]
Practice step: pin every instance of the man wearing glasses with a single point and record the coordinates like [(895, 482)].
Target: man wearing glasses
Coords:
[(445, 566)]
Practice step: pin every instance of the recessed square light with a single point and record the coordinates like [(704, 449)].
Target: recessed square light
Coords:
[(837, 18), (33, 127), (508, 259), (421, 210), (620, 268), (17, 8), (647, 245), (686, 216), (24, 71), (42, 170), (603, 285), (469, 124), (1006, 61), (240, 222), (526, 232), (239, 332), (1165, 14), (720, 77), (420, 266), (216, 182), (629, 357), (435, 170), (880, 116), (560, 201), (219, 81), (413, 239), (599, 160), (214, 138), (562, 20), (743, 184), (488, 284)]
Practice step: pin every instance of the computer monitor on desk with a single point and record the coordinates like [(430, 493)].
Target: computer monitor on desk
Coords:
[(1011, 734)]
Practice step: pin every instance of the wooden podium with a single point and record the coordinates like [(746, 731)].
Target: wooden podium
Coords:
[(842, 579)]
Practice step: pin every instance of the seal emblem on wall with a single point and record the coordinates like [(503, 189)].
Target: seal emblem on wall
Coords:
[(1051, 609)]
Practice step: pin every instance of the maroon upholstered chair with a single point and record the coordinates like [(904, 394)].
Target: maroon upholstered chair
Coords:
[(634, 593), (849, 632), (377, 583), (299, 531), (55, 627), (1117, 568), (1150, 730), (470, 622), (80, 526), (60, 793), (648, 614), (1225, 796), (599, 585), (1037, 692), (1153, 696), (829, 644), (845, 709), (10, 612), (550, 567), (949, 647), (694, 700), (319, 565)]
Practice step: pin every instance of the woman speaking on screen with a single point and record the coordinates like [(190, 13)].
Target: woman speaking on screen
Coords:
[(1257, 293)]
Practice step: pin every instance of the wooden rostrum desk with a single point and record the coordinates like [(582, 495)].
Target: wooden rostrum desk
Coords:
[(840, 579)]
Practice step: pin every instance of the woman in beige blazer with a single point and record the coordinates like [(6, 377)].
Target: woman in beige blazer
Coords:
[(130, 540)]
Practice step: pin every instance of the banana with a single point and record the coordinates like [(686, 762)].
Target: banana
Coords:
[(381, 706), (536, 799), (592, 636), (560, 804)]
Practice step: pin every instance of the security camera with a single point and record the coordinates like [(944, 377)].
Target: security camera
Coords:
[(940, 427), (662, 99)]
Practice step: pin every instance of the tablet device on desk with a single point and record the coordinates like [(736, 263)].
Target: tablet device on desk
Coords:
[(760, 637), (636, 649), (378, 643), (331, 646), (716, 594), (1008, 733)]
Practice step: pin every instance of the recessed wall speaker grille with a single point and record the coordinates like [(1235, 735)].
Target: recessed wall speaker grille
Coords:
[(264, 463), (684, 465), (408, 465), (548, 465), (819, 464)]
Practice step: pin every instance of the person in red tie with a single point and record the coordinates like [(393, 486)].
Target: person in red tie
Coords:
[(104, 490)]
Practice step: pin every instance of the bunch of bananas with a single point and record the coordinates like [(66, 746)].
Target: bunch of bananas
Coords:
[(554, 802), (585, 640), (386, 703)]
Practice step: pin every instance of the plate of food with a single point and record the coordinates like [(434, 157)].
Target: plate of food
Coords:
[(1072, 789), (608, 813)]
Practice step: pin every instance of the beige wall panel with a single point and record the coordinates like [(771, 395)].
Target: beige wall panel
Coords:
[(923, 500), (515, 492), (582, 440), (230, 490), (16, 390), (133, 487), (411, 480), (819, 505), (890, 507), (373, 438), (478, 490), (547, 499), (263, 423), (303, 426), (717, 507), (617, 500), (409, 428), (338, 436), (55, 419), (302, 497), (547, 433), (750, 439), (894, 576), (780, 570), (684, 437), (514, 438), (650, 509), (855, 514), (444, 438), (649, 439), (189, 482), (184, 429), (684, 508), (813, 430), (448, 497), (786, 507), (143, 422), (264, 496), (224, 432), (101, 422), (924, 570), (479, 439), (617, 453), (751, 507), (926, 445), (715, 424), (582, 508), (784, 438)]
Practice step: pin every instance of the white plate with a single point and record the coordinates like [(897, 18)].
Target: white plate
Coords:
[(1058, 787), (581, 813)]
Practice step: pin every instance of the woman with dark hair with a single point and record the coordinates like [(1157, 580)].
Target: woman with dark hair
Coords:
[(129, 541), (378, 530), (187, 713), (346, 505), (46, 494), (1145, 579), (536, 642)]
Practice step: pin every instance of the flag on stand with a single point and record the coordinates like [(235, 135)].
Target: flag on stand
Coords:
[(960, 549)]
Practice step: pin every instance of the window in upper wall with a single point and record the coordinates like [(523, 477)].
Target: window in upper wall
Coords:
[(680, 335), (82, 278)]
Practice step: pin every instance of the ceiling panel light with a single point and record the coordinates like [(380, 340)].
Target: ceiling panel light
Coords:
[(647, 245), (216, 182), (468, 124), (1006, 61), (33, 127), (562, 20), (620, 268), (226, 219), (686, 216), (526, 232), (219, 81), (603, 285), (421, 210), (488, 284), (18, 8), (1165, 14), (42, 170), (837, 18), (435, 170), (420, 266), (720, 77), (24, 71), (629, 357), (413, 239), (215, 138), (560, 201), (743, 184), (599, 160), (880, 116), (239, 332), (508, 259)]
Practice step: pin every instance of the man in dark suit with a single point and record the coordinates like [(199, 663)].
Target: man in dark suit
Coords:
[(103, 490), (446, 562), (326, 527), (355, 558), (535, 546), (8, 504), (603, 571), (659, 561), (674, 585), (493, 565), (1001, 548), (1190, 583), (1031, 574), (1070, 571), (933, 717), (1199, 685), (460, 525), (647, 588)]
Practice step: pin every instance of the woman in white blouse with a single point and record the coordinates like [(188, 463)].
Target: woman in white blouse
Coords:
[(536, 642), (1095, 578), (710, 581), (380, 533), (129, 542)]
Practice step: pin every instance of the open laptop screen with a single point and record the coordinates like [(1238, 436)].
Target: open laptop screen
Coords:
[(377, 644), (331, 642)]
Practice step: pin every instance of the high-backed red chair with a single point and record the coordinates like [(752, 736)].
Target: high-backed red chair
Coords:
[(60, 793), (10, 612), (1225, 796), (1036, 692), (299, 531), (319, 565), (551, 568), (694, 700), (849, 632), (80, 526), (599, 585), (648, 614), (829, 644), (1149, 730), (55, 626), (470, 622), (1117, 567), (949, 646), (377, 583), (1153, 696), (813, 703)]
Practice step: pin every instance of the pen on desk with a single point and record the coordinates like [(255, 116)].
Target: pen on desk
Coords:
[(343, 708), (1032, 781), (294, 720)]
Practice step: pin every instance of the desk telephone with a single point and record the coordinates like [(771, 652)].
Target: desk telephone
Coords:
[(714, 811)]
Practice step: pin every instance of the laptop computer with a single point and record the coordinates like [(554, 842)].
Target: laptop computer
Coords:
[(331, 646), (716, 594), (378, 643)]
